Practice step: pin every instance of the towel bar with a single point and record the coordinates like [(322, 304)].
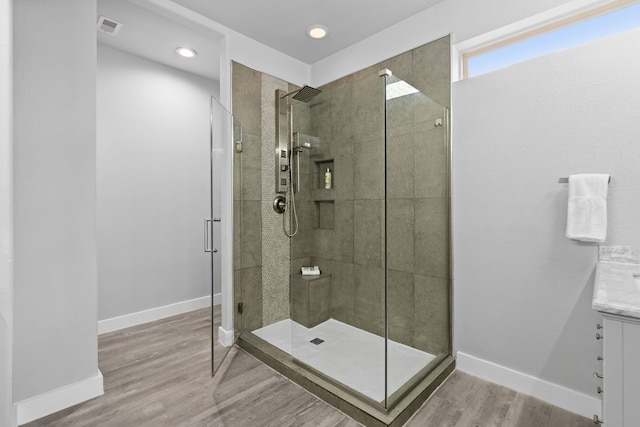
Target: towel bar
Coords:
[(566, 180)]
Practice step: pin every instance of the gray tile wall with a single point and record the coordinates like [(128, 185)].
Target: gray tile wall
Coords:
[(261, 250), (347, 239), (247, 91), (348, 117)]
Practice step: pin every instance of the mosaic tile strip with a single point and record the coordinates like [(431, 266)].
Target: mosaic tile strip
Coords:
[(275, 245)]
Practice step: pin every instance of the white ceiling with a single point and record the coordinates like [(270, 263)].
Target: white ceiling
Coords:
[(282, 24), (283, 28), (149, 35)]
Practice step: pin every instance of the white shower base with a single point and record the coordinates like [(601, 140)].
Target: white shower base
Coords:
[(349, 355)]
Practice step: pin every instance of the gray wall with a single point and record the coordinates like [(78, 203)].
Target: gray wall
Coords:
[(6, 216), (523, 290), (55, 305), (153, 184)]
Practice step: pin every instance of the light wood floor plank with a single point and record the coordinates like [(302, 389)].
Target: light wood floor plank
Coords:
[(159, 374)]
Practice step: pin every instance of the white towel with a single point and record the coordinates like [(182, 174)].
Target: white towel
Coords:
[(587, 209)]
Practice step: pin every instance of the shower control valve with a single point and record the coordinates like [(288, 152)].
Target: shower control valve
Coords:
[(279, 204)]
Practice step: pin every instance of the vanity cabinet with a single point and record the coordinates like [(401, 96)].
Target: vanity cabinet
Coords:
[(617, 297), (621, 383)]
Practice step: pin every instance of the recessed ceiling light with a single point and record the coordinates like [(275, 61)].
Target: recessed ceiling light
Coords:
[(317, 31), (186, 52)]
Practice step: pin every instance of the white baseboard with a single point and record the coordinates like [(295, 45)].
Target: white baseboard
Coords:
[(225, 337), (555, 394), (40, 406), (157, 313)]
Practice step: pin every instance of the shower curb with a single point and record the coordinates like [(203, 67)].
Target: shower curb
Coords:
[(360, 411)]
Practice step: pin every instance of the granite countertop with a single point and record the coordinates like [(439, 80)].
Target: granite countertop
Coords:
[(617, 288)]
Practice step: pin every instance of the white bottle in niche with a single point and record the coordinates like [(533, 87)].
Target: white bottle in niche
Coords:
[(327, 179)]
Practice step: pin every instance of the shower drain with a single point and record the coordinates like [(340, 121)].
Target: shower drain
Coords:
[(317, 341)]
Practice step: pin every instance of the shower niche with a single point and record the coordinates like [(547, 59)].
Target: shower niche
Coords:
[(380, 235), (320, 168), (324, 214)]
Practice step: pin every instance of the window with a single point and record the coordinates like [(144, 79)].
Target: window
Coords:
[(588, 26)]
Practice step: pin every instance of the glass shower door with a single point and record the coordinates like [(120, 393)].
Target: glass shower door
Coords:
[(224, 131)]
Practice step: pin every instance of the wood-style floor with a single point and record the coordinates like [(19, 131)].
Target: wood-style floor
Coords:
[(159, 374)]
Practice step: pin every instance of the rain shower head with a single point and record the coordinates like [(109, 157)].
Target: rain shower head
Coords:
[(304, 94)]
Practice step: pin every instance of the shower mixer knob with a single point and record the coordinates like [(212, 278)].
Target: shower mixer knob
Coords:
[(279, 204)]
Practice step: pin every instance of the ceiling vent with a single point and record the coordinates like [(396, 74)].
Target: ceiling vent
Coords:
[(108, 26)]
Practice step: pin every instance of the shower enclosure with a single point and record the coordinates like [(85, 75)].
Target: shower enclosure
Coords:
[(371, 332)]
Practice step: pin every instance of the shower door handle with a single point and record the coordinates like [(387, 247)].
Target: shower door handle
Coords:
[(207, 235)]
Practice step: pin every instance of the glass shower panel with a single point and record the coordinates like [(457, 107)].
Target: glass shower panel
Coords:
[(339, 315), (417, 251)]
